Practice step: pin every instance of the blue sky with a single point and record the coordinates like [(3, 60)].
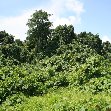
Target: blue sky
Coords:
[(86, 15)]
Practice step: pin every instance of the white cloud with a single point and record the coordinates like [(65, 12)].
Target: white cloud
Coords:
[(75, 5), (106, 38), (15, 25), (72, 10), (69, 20), (60, 9)]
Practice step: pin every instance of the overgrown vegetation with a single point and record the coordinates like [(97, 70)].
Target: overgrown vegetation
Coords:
[(54, 69)]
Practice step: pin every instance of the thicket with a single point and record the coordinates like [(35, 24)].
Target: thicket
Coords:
[(50, 59)]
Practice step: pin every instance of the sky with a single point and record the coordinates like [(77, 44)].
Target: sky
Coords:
[(85, 15)]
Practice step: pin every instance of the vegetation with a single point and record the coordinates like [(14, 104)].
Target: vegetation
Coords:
[(54, 69)]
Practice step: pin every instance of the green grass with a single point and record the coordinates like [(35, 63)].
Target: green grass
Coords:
[(63, 99)]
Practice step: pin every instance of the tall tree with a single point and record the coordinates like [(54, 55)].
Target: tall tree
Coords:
[(64, 34), (39, 30), (93, 41), (61, 35)]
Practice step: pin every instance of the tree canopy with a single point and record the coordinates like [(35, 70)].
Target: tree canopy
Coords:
[(39, 30)]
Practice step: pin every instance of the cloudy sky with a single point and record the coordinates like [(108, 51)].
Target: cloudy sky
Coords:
[(85, 15)]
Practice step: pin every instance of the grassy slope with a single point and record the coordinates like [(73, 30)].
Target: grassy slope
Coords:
[(64, 99)]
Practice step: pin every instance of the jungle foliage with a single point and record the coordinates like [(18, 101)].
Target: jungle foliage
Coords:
[(54, 69)]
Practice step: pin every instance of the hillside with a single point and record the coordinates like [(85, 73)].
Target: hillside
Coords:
[(54, 69)]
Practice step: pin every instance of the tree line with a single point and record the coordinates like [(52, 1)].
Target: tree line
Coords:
[(42, 40)]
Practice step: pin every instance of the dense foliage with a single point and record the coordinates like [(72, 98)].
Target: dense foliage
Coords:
[(54, 69)]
